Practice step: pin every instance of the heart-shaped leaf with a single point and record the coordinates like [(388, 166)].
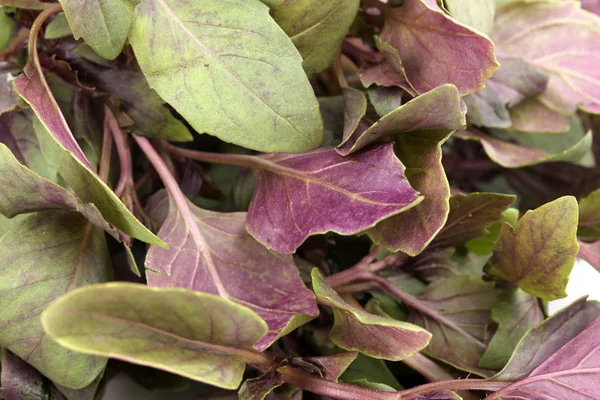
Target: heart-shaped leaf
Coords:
[(229, 70), (177, 330), (375, 336), (539, 252), (212, 252), (45, 256), (301, 195)]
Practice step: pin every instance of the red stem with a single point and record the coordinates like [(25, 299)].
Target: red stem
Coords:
[(126, 176), (588, 223)]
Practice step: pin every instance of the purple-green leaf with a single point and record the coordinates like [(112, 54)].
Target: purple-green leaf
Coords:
[(435, 49), (197, 335), (563, 40), (375, 336), (516, 312), (571, 373), (306, 194), (543, 341), (590, 252), (259, 388), (212, 252), (62, 151), (539, 252), (589, 214), (385, 99), (45, 256), (19, 380), (333, 366), (9, 99), (456, 311), (437, 110), (469, 217)]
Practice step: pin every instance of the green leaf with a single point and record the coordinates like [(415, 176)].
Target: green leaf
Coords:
[(366, 371), (47, 255), (229, 70), (516, 312), (589, 212), (177, 330), (484, 245), (27, 4), (7, 29), (478, 14), (103, 24), (539, 253), (316, 27), (58, 28), (375, 336)]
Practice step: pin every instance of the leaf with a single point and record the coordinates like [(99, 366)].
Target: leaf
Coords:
[(317, 28), (212, 252), (411, 231), (9, 99), (27, 4), (432, 264), (7, 30), (229, 70), (385, 99), (366, 371), (590, 252), (375, 336), (435, 49), (197, 335), (510, 84), (103, 24), (333, 366), (564, 41), (456, 311), (47, 255), (19, 380), (478, 14), (259, 388), (546, 339), (437, 110), (589, 212), (301, 195), (63, 153), (516, 312), (140, 103), (484, 245), (440, 394), (469, 217), (58, 28), (571, 373), (355, 108), (539, 252), (512, 155)]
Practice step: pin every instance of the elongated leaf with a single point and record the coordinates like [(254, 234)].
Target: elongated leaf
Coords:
[(103, 24), (510, 84), (516, 312), (411, 231), (571, 373), (212, 252), (470, 215), (317, 28), (485, 244), (19, 380), (47, 255), (478, 14), (512, 155), (539, 252), (563, 40), (302, 195), (432, 46), (63, 153), (458, 310), (375, 336), (543, 341), (229, 70), (355, 108), (590, 252), (437, 110), (197, 335), (589, 212)]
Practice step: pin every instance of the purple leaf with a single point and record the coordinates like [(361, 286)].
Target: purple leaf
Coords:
[(19, 380), (512, 83), (63, 153), (516, 312), (561, 39), (435, 49), (212, 252), (539, 252), (590, 252), (573, 372), (546, 339), (357, 330), (334, 365), (259, 388), (469, 216), (456, 311), (433, 264), (437, 110), (411, 231), (299, 195)]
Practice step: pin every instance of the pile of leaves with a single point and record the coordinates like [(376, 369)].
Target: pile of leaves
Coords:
[(351, 199)]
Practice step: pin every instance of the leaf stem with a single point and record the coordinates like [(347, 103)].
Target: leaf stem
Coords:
[(106, 153), (455, 384), (33, 34), (126, 175), (369, 264)]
